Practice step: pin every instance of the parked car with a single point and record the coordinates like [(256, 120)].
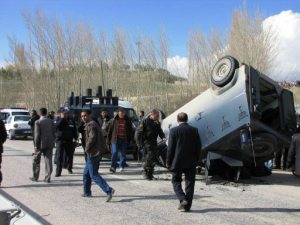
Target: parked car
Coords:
[(17, 127), (6, 113), (243, 119)]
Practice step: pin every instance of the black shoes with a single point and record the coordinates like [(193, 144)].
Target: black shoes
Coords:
[(182, 206), (70, 171), (46, 181), (33, 179), (57, 175), (110, 195), (86, 195), (148, 176), (112, 170)]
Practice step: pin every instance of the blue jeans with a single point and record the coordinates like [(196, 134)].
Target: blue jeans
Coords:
[(91, 172), (120, 146)]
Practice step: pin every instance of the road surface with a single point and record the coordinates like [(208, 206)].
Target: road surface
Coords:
[(269, 200)]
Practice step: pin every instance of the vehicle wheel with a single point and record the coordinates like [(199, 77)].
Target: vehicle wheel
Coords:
[(223, 71), (264, 145), (10, 135)]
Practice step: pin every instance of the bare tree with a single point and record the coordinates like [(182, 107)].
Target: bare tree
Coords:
[(251, 42)]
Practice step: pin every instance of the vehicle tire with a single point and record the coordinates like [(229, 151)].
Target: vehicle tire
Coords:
[(223, 71), (264, 145), (10, 135)]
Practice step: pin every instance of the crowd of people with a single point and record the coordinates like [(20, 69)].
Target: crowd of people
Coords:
[(105, 134)]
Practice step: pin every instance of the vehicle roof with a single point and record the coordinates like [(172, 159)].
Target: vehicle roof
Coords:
[(125, 104), (14, 110), (122, 104)]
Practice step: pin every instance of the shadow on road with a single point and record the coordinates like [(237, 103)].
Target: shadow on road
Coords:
[(131, 198), (245, 210)]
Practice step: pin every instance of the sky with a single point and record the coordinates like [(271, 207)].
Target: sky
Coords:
[(177, 17)]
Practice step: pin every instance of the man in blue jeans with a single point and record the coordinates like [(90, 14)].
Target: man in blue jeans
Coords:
[(94, 146), (119, 136)]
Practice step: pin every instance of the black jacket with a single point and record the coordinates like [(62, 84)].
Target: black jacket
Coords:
[(184, 147), (147, 132), (66, 130), (3, 135), (32, 121), (293, 160)]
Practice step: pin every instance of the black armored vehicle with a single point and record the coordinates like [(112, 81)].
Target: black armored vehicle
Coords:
[(96, 103)]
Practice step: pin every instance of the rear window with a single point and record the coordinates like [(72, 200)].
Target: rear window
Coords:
[(22, 118), (19, 113)]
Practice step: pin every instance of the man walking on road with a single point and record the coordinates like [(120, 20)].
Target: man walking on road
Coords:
[(66, 136), (119, 136), (3, 136), (293, 161), (31, 122), (94, 146), (44, 137), (184, 147), (146, 137)]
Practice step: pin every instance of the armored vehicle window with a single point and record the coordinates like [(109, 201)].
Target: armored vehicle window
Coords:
[(269, 103)]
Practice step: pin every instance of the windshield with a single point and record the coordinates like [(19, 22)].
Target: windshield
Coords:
[(19, 113), (3, 116), (22, 118)]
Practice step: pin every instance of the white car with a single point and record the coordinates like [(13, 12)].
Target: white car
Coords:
[(17, 126), (6, 113)]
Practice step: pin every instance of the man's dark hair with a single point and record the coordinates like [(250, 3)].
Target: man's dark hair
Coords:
[(104, 110), (87, 111), (43, 111), (121, 110), (142, 112), (182, 117), (154, 111)]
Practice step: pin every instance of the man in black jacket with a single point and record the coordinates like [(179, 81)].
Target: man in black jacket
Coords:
[(34, 117), (3, 136), (184, 147), (66, 135), (146, 137)]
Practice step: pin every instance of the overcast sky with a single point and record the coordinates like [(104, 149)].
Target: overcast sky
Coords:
[(178, 17)]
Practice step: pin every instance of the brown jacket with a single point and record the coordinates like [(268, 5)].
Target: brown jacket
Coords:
[(95, 142), (113, 128)]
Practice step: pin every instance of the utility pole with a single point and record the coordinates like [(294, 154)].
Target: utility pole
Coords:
[(138, 43), (102, 75)]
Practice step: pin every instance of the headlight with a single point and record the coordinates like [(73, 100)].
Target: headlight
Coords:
[(16, 125)]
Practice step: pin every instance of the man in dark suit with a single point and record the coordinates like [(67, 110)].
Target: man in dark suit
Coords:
[(44, 137), (3, 137), (184, 149), (293, 161)]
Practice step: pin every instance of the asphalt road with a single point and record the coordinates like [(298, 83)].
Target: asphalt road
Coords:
[(271, 200)]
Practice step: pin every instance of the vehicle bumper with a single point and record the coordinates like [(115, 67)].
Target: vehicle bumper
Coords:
[(21, 132)]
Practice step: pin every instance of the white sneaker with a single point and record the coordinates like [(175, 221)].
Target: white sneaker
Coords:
[(121, 170)]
